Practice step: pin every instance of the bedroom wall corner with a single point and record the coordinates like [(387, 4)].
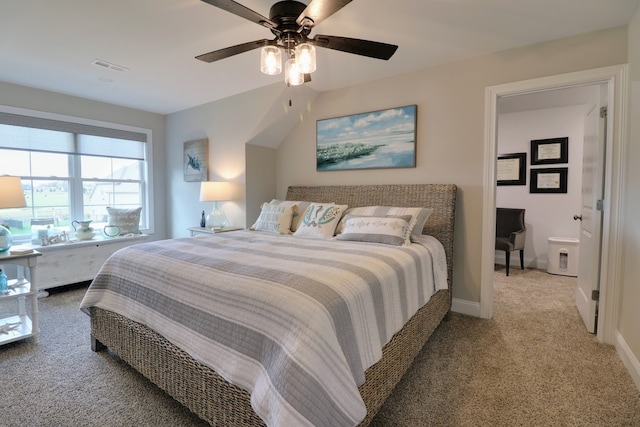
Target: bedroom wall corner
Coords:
[(629, 298), (260, 178)]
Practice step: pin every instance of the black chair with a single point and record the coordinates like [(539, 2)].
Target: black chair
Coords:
[(510, 233)]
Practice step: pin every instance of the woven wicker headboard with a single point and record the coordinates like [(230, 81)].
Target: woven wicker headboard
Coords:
[(440, 197)]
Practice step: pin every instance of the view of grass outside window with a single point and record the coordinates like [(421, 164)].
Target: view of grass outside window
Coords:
[(68, 176)]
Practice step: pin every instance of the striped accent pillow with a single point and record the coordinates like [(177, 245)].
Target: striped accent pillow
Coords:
[(388, 230), (419, 217)]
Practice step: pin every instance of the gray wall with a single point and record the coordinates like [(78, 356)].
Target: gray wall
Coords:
[(450, 140)]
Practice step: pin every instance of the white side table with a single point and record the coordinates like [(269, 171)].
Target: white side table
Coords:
[(205, 230), (21, 325)]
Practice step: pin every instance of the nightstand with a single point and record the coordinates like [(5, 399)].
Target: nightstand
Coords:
[(205, 230)]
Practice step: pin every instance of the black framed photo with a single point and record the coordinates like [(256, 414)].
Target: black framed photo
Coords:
[(511, 169), (548, 180), (549, 151)]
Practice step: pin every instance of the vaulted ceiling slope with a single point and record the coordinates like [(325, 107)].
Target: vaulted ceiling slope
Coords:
[(146, 48)]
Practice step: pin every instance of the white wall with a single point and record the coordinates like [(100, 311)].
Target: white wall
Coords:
[(629, 298), (547, 215)]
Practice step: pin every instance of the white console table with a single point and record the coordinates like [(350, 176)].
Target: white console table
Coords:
[(78, 261)]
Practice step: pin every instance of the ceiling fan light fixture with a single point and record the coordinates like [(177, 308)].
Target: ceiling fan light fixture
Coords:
[(292, 74), (271, 60), (305, 55)]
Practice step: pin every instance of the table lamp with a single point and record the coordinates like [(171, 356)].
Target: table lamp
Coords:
[(11, 196), (215, 191)]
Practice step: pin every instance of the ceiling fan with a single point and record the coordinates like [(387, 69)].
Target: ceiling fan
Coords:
[(291, 22)]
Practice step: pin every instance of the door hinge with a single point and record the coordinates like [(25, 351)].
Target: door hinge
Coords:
[(600, 205), (603, 112), (595, 295)]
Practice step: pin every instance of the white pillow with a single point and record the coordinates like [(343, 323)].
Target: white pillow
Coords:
[(419, 217), (320, 220), (274, 219), (127, 220), (297, 214), (388, 230)]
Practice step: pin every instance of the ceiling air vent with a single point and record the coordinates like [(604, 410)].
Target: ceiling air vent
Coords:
[(109, 65)]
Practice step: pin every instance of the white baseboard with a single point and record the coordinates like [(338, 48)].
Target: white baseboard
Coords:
[(469, 308), (628, 358)]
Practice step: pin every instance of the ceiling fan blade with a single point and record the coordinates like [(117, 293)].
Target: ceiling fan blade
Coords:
[(319, 10), (216, 55), (242, 11), (307, 78), (357, 46)]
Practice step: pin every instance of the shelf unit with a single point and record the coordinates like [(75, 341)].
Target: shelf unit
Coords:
[(24, 323)]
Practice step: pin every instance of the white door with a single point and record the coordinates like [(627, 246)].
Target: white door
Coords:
[(591, 216)]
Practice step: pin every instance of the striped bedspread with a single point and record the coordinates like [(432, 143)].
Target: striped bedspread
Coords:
[(294, 321)]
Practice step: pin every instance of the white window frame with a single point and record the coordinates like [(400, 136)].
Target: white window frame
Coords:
[(147, 196)]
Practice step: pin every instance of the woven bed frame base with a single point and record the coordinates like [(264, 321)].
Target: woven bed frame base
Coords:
[(221, 403)]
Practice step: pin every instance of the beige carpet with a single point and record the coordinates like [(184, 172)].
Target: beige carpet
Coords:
[(532, 365)]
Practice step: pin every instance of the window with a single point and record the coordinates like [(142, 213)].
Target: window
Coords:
[(72, 169)]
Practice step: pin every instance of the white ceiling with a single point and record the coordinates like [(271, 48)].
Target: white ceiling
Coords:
[(51, 44)]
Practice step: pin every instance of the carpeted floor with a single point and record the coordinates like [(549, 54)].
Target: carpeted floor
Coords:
[(532, 365)]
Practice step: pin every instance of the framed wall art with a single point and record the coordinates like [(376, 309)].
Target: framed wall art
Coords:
[(511, 169), (549, 151), (195, 160), (548, 180), (374, 140)]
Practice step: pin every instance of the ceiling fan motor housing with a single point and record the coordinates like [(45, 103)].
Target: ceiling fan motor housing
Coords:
[(284, 14)]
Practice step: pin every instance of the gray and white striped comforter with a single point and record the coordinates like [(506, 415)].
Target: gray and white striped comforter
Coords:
[(294, 321)]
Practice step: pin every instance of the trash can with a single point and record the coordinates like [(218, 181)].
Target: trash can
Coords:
[(562, 256)]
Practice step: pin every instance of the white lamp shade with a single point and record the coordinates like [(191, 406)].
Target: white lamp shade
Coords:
[(215, 191), (11, 193), (306, 58), (271, 60), (292, 75)]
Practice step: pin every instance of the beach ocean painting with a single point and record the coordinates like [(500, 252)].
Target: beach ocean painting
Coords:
[(378, 139)]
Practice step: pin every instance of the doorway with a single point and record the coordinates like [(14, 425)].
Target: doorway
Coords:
[(615, 79)]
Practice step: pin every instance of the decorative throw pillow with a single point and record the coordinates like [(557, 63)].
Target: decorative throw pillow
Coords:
[(419, 217), (297, 214), (127, 220), (389, 230), (320, 220), (275, 218)]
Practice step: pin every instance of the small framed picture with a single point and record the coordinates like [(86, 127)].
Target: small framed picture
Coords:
[(511, 169), (548, 180), (549, 151), (195, 160)]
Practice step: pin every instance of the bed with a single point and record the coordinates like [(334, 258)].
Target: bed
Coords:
[(193, 382)]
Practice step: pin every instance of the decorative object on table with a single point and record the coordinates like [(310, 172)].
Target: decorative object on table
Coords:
[(111, 230), (4, 283), (216, 191), (548, 180), (549, 151), (11, 196), (511, 169), (195, 160), (83, 229), (203, 221), (374, 140), (127, 220), (47, 240)]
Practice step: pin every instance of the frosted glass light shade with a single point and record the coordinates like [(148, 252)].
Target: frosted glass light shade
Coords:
[(305, 58), (271, 60), (215, 191), (292, 75)]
